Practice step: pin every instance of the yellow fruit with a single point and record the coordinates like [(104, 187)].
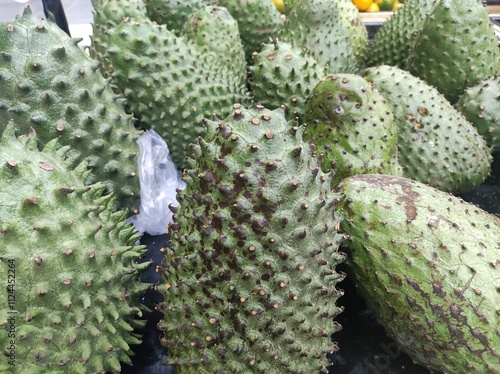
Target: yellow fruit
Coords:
[(280, 5), (386, 5), (373, 8), (363, 5), (397, 5)]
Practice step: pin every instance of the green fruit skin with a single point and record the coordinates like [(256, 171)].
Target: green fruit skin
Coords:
[(284, 75), (436, 144), (316, 26), (71, 262), (352, 126), (47, 82), (393, 41), (427, 264), (455, 48), (170, 83), (480, 104), (250, 280)]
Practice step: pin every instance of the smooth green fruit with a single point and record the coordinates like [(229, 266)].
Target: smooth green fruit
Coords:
[(427, 263), (250, 279), (70, 261)]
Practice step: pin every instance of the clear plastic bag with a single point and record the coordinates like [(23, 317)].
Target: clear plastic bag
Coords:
[(159, 180)]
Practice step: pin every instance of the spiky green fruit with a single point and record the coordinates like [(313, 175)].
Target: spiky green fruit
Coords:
[(436, 144), (170, 84), (455, 48), (427, 264), (394, 39), (250, 279), (49, 83), (214, 31), (70, 261), (106, 15), (352, 126), (480, 104), (316, 25), (174, 13), (258, 20), (284, 75)]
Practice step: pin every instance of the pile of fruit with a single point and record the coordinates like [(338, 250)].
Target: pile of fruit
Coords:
[(378, 5), (303, 147)]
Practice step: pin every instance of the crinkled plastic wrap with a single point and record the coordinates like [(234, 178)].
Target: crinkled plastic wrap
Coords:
[(159, 180)]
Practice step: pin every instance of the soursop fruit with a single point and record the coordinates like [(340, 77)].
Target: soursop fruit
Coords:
[(250, 279), (106, 15), (480, 104), (282, 74), (174, 13), (258, 20), (316, 25), (169, 82), (455, 47), (352, 126), (393, 41), (48, 82), (436, 144), (214, 31), (72, 303), (427, 264)]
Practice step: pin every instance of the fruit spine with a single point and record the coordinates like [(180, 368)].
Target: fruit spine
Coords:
[(49, 83), (250, 280), (427, 263), (77, 284)]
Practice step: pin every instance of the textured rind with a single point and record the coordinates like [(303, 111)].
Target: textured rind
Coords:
[(258, 20), (480, 104), (455, 48), (174, 13), (436, 144), (73, 264), (284, 75), (170, 84), (215, 31), (250, 280), (316, 25), (352, 126), (393, 41), (427, 263), (106, 15), (49, 83)]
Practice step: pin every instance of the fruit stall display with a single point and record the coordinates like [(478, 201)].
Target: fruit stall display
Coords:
[(341, 205)]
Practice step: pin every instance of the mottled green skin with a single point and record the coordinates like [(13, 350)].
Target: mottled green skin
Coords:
[(480, 104), (258, 20), (427, 264), (250, 280), (316, 26), (214, 31), (170, 84), (456, 47), (107, 14), (74, 262), (352, 126), (282, 74), (393, 41), (174, 13), (436, 144), (49, 83)]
